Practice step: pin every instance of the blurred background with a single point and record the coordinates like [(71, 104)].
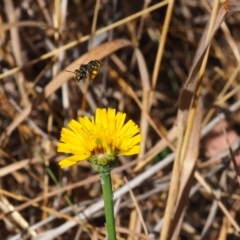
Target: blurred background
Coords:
[(147, 51)]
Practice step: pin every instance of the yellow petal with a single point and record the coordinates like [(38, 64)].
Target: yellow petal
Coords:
[(71, 161), (132, 151)]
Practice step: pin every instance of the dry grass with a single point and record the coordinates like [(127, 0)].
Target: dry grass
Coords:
[(171, 72)]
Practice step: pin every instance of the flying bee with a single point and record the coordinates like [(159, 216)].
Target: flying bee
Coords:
[(87, 71)]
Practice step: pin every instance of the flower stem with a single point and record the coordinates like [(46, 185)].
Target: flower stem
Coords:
[(108, 204)]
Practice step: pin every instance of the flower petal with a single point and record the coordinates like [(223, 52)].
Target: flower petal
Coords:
[(71, 161)]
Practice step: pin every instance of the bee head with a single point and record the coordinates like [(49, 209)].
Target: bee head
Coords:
[(77, 74)]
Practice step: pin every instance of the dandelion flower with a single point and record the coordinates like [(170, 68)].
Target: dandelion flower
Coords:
[(99, 139)]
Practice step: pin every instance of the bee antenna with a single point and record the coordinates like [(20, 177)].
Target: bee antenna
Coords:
[(68, 71)]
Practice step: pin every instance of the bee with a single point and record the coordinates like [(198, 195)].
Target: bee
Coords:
[(87, 71)]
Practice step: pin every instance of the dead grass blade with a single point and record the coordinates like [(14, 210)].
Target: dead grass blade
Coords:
[(191, 83), (187, 172), (226, 223), (220, 204), (16, 49), (145, 97), (162, 42), (18, 219)]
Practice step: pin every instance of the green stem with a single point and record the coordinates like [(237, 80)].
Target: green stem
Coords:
[(108, 204)]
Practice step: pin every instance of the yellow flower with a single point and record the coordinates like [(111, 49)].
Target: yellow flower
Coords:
[(99, 139)]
